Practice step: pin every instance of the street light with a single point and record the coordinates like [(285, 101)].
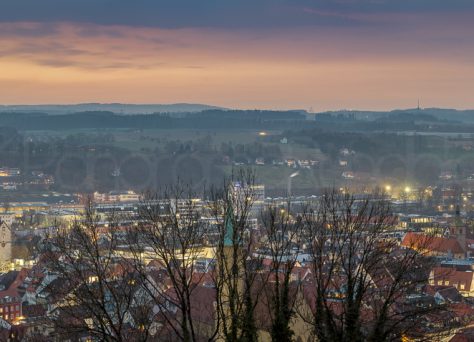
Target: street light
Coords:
[(388, 188)]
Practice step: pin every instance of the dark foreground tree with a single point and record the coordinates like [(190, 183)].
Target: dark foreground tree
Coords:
[(364, 287), (156, 277), (282, 245), (94, 293), (237, 266), (172, 233)]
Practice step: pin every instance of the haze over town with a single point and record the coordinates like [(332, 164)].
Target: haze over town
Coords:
[(236, 171)]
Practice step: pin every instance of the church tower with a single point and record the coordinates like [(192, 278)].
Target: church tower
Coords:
[(5, 242), (459, 230)]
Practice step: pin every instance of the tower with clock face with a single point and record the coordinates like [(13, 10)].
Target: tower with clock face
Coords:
[(5, 242)]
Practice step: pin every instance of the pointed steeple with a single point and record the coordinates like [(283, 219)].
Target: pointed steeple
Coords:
[(229, 227)]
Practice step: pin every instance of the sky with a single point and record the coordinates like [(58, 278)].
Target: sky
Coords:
[(278, 54)]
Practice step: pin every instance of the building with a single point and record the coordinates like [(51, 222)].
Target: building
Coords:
[(10, 298), (6, 221), (434, 245), (255, 191), (460, 280), (116, 197), (348, 175), (10, 308), (9, 172)]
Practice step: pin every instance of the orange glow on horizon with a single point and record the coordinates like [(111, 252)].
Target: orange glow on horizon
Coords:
[(232, 69)]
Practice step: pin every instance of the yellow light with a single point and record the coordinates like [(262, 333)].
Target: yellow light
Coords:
[(407, 189), (388, 187), (262, 134)]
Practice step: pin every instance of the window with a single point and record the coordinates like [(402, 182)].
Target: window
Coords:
[(462, 286), (446, 282)]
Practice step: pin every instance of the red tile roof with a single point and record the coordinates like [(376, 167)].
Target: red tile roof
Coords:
[(465, 335), (432, 243), (454, 277)]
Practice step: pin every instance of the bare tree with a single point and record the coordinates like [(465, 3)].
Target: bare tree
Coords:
[(237, 265), (283, 232), (94, 290), (364, 287), (171, 232)]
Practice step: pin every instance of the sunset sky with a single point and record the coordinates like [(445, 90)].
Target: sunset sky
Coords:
[(324, 54)]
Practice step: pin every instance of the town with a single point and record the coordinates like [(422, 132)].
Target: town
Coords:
[(173, 250), (236, 171)]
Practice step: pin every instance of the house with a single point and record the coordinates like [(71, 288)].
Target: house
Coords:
[(463, 281), (444, 294), (446, 175), (346, 152), (304, 164), (10, 296), (464, 335), (10, 308), (348, 175), (307, 163), (290, 163), (433, 245)]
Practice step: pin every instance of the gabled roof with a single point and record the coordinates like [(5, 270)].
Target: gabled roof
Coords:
[(450, 294), (453, 276), (465, 335), (11, 282), (432, 243)]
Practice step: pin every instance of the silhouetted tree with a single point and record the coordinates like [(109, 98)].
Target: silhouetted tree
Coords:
[(364, 287), (94, 291)]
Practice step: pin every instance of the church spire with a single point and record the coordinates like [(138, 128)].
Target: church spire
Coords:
[(229, 227)]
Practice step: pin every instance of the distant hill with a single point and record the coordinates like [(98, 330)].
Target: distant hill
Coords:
[(405, 114), (119, 108), (207, 119)]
